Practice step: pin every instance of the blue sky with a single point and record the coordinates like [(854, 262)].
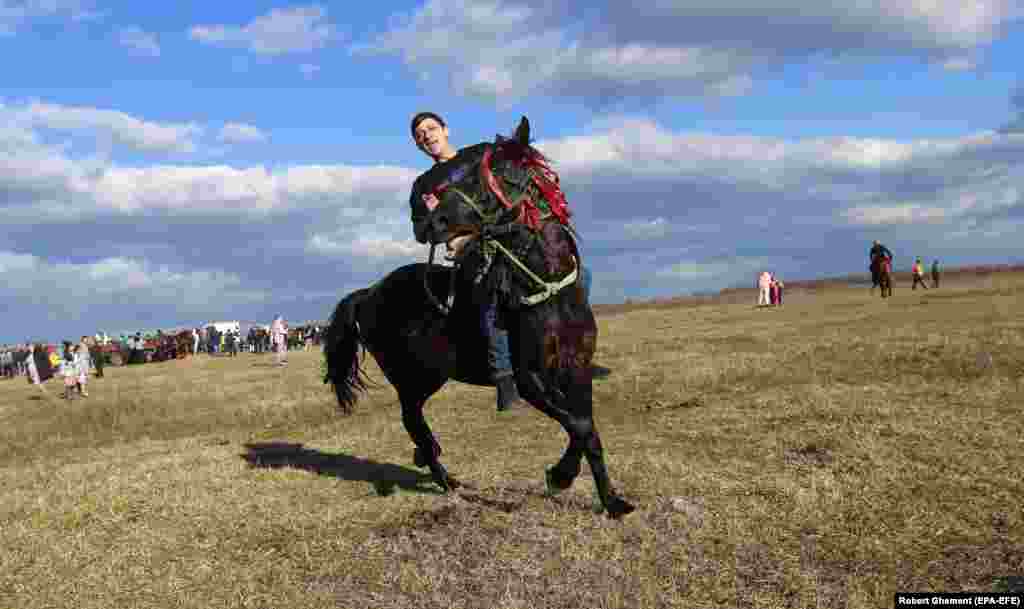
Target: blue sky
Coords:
[(176, 163)]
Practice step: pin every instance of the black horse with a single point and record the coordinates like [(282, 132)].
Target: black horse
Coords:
[(419, 343)]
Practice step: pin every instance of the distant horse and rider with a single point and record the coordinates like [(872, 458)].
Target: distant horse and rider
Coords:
[(504, 221), (883, 264), (881, 269)]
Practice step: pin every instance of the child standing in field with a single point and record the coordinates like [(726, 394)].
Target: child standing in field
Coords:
[(69, 372)]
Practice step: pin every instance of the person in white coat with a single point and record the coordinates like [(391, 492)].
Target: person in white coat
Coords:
[(279, 338), (764, 284)]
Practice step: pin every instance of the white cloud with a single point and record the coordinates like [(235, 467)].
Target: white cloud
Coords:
[(282, 30), (14, 14), (614, 50), (119, 127), (367, 246), (118, 282), (874, 215), (725, 271), (139, 41), (253, 191), (646, 229), (959, 64), (240, 133)]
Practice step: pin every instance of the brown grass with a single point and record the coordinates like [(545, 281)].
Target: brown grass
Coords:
[(827, 453)]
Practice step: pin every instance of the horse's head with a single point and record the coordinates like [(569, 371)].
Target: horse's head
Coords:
[(487, 194)]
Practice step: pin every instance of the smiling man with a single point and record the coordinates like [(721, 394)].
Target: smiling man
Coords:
[(430, 133)]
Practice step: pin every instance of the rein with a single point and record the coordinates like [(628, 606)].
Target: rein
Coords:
[(491, 231)]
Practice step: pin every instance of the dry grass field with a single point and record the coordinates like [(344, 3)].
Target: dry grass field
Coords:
[(823, 454)]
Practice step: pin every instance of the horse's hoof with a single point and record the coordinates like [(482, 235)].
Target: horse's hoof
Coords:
[(418, 459), (618, 507), (552, 485), (447, 484)]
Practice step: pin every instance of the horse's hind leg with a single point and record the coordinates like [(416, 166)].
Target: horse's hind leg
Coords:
[(428, 450)]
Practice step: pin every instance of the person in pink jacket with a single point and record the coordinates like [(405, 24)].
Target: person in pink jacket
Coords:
[(764, 284), (279, 337)]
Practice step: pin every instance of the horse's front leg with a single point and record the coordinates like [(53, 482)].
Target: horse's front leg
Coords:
[(428, 451), (574, 413), (578, 403), (615, 505)]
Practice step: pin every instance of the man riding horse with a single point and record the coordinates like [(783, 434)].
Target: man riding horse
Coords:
[(431, 136), (500, 212), (876, 255)]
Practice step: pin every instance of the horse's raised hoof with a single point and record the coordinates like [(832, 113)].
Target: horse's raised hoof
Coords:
[(618, 507), (554, 483)]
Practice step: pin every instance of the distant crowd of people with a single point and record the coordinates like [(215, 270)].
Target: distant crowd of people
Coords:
[(75, 362), (257, 340)]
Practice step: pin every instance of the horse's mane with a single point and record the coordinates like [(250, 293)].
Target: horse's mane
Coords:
[(518, 152)]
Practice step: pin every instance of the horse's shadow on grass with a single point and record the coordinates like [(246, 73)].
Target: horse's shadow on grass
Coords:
[(384, 477)]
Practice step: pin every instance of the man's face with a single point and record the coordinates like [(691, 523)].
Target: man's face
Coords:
[(431, 138)]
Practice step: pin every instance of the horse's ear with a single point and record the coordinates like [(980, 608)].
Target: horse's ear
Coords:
[(523, 131)]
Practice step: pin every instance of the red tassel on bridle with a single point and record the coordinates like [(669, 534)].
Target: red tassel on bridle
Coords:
[(543, 177)]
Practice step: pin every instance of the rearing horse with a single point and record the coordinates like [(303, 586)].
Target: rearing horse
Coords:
[(512, 214)]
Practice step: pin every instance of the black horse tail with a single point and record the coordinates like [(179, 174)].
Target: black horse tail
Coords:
[(341, 351)]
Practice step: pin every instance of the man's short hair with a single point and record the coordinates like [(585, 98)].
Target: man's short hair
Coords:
[(422, 116)]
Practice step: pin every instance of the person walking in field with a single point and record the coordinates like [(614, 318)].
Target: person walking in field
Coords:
[(935, 273), (32, 369), (918, 272), (96, 355), (84, 363), (764, 285), (68, 370), (279, 338)]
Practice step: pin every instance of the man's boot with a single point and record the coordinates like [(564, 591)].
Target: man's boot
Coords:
[(508, 393), (500, 360)]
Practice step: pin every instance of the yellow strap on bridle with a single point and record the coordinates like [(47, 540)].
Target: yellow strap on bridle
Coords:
[(548, 288)]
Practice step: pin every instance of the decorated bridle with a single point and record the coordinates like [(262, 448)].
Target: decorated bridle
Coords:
[(547, 188)]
